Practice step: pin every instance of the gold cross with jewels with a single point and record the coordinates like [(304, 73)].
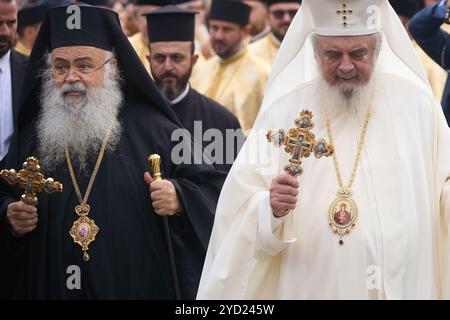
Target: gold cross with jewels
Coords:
[(299, 142), (31, 180), (344, 11)]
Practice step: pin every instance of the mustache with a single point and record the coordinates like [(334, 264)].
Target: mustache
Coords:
[(73, 87), (347, 75), (5, 39), (215, 42), (169, 74)]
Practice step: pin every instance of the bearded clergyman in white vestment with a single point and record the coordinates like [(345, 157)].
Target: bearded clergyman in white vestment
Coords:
[(372, 220)]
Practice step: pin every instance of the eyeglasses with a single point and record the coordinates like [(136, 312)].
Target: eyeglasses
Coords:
[(279, 14), (61, 71)]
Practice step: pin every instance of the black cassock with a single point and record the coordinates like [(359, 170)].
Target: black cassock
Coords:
[(190, 244), (197, 107), (129, 256)]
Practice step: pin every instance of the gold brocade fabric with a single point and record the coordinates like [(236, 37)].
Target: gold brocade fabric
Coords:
[(237, 83), (265, 48), (436, 75), (140, 45), (22, 49)]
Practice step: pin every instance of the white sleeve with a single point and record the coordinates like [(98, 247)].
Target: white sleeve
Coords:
[(267, 242)]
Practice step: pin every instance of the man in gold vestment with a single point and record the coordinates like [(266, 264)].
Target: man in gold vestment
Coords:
[(281, 13), (235, 77)]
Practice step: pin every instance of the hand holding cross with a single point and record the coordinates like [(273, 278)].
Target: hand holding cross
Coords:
[(299, 142)]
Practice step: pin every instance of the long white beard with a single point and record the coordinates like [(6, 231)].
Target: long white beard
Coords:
[(347, 97), (80, 123)]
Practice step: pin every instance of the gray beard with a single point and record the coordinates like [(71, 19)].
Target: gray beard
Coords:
[(80, 123), (346, 97)]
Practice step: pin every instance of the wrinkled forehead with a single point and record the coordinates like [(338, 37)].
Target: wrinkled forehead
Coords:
[(76, 52), (345, 42)]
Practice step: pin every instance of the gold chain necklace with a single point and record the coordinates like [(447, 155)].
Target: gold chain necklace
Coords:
[(343, 211), (84, 230)]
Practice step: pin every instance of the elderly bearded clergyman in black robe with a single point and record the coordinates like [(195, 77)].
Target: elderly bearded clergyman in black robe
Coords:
[(86, 92)]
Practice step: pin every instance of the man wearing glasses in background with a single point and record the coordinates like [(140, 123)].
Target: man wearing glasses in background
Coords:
[(281, 14)]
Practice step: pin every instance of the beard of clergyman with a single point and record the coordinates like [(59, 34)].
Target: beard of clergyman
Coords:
[(347, 96), (78, 122), (173, 90)]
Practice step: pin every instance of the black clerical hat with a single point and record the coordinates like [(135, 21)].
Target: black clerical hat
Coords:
[(100, 28), (230, 10), (271, 2), (407, 8), (33, 13), (90, 29), (171, 23)]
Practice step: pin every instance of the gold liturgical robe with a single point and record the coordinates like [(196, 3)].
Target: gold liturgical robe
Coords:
[(266, 48), (436, 75), (22, 49), (237, 83), (140, 45)]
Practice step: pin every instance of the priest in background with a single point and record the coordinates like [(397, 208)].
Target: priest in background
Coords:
[(281, 14), (202, 41), (276, 236), (139, 40), (171, 36), (235, 78)]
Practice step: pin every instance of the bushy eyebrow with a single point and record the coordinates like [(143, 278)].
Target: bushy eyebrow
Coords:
[(354, 52), (333, 50), (8, 21), (80, 59), (358, 51)]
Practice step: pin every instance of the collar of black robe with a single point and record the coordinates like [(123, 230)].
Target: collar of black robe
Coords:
[(100, 28)]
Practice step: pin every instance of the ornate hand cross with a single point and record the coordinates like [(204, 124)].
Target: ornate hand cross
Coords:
[(31, 180), (299, 142)]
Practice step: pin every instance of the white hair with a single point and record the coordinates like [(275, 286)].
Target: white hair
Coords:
[(78, 122)]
